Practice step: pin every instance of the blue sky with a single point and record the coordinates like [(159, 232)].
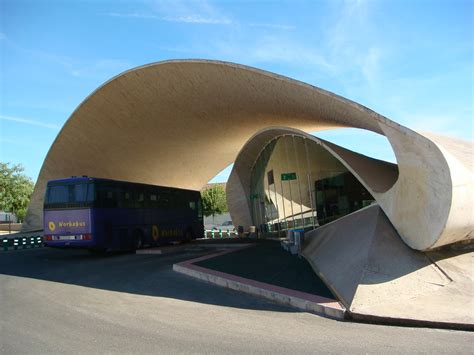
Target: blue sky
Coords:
[(411, 61)]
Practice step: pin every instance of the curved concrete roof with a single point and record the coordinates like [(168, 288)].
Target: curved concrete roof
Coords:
[(178, 123)]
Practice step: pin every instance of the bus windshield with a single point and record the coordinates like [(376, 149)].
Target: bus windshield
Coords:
[(80, 194)]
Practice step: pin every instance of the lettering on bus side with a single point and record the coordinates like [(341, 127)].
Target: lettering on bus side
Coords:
[(72, 224), (155, 232), (171, 232)]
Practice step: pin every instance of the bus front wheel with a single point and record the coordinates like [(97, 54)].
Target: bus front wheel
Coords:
[(188, 235)]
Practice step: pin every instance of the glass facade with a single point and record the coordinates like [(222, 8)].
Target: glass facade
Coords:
[(296, 183), (339, 195)]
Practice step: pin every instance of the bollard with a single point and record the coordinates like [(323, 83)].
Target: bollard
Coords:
[(220, 233), (39, 241), (23, 242), (5, 244), (32, 242), (15, 244)]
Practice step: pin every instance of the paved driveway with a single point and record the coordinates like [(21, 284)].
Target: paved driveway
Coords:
[(70, 301)]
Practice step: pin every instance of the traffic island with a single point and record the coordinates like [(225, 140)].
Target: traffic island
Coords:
[(266, 271)]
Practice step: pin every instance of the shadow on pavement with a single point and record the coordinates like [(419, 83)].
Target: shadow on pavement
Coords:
[(149, 275), (267, 262)]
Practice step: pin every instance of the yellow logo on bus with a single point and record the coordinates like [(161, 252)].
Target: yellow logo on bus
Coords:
[(51, 226), (155, 233)]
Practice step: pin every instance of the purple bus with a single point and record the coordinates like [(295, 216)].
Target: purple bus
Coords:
[(104, 215)]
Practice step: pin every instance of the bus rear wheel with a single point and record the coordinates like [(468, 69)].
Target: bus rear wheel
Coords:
[(137, 240)]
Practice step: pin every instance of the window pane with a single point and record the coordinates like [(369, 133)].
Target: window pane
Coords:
[(106, 196), (90, 193), (58, 194), (80, 193)]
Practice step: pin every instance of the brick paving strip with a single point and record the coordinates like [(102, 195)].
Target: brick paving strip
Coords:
[(189, 247), (301, 300)]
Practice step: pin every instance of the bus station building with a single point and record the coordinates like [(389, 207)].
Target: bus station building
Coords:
[(389, 239)]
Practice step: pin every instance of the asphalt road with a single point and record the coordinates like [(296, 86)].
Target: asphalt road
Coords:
[(54, 301)]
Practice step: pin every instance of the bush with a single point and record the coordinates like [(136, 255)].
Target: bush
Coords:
[(15, 190)]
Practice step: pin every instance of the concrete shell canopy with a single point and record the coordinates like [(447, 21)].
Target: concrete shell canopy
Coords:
[(178, 123)]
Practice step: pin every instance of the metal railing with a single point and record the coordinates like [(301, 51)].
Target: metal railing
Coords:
[(22, 243), (219, 233)]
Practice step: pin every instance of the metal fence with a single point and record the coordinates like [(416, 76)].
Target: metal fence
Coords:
[(22, 243), (37, 241), (219, 233)]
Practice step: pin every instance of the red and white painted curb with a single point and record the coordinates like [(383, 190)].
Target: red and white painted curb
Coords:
[(300, 300)]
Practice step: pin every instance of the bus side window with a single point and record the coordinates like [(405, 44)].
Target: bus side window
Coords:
[(90, 193), (127, 199), (58, 195), (174, 200), (80, 193), (153, 203), (123, 197), (164, 200), (107, 196), (146, 198), (180, 201), (139, 199)]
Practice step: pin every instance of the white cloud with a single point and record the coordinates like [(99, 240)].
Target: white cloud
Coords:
[(177, 49), (193, 18), (30, 122), (102, 68), (199, 19), (353, 43), (20, 143), (440, 124), (271, 49), (370, 65), (99, 69), (279, 49), (192, 12), (272, 25), (134, 15)]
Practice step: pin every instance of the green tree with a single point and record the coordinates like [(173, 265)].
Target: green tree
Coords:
[(15, 189), (214, 201)]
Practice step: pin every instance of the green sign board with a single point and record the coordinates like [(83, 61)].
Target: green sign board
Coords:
[(288, 176)]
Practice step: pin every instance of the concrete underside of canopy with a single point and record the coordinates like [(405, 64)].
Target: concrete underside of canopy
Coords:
[(178, 123), (377, 277), (313, 159)]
